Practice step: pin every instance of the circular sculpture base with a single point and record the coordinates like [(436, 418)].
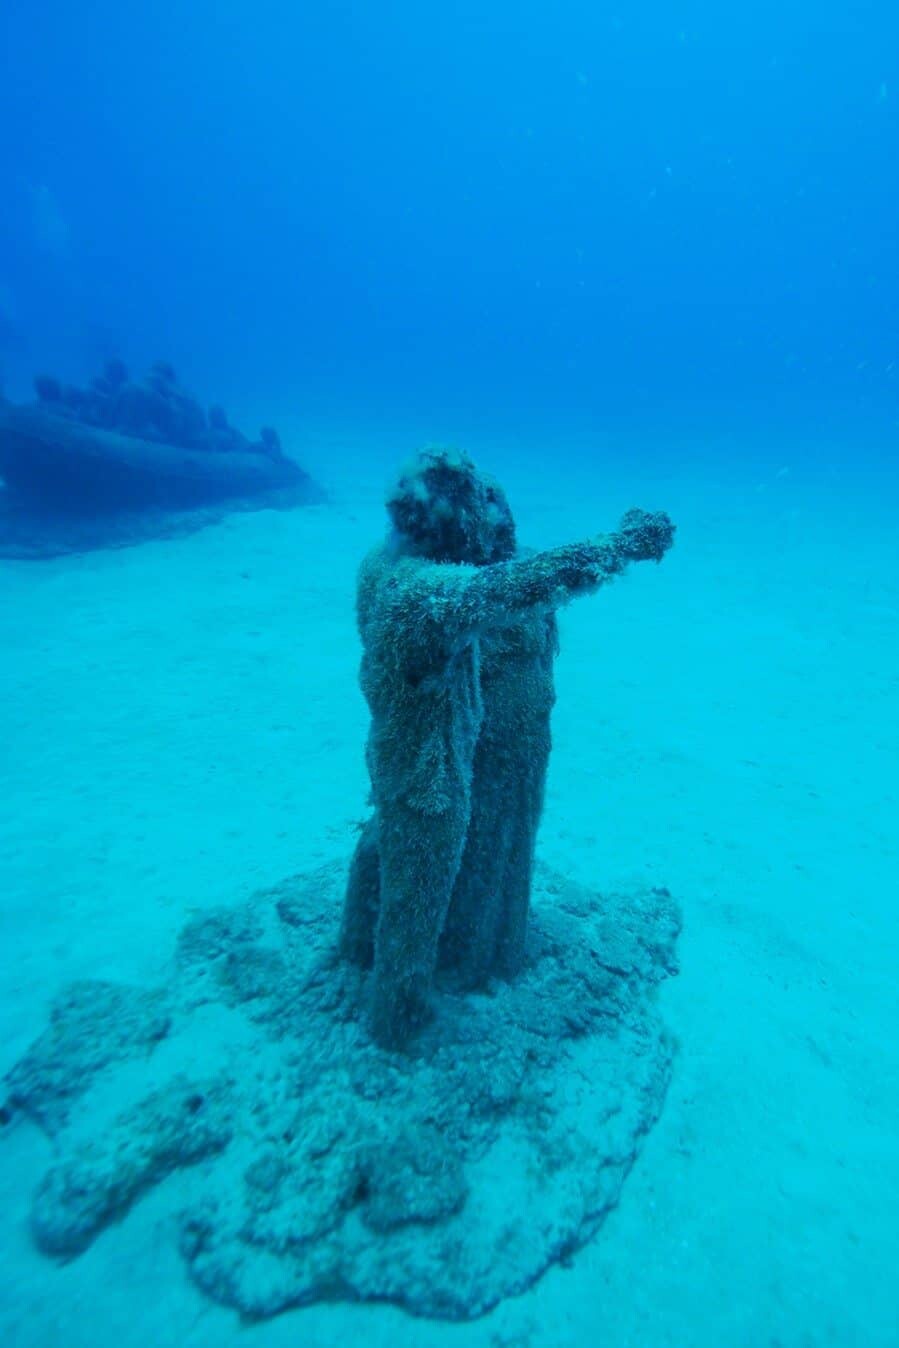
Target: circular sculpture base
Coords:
[(315, 1165)]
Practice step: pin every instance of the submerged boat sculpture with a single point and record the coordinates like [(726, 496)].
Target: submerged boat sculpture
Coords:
[(50, 460), (121, 449)]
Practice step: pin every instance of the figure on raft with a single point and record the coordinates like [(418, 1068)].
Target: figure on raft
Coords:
[(157, 409)]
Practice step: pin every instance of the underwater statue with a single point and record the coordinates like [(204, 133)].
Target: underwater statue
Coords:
[(459, 635)]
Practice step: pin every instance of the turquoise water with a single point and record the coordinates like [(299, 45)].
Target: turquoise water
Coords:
[(625, 259)]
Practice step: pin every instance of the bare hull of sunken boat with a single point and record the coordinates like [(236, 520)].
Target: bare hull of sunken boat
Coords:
[(50, 462)]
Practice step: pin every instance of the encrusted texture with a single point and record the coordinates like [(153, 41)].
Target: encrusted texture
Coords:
[(458, 637), (314, 1164)]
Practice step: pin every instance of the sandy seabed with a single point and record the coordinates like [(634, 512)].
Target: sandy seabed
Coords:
[(182, 725)]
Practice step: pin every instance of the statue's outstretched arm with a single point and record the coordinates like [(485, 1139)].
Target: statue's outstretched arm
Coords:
[(443, 603), (549, 579)]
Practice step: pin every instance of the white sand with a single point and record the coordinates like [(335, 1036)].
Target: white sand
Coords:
[(181, 724)]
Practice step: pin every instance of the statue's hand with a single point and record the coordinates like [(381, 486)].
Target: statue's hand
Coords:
[(643, 536)]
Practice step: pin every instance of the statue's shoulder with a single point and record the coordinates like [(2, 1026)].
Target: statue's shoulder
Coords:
[(371, 578), (403, 590), (384, 580), (373, 565), (384, 569), (393, 573)]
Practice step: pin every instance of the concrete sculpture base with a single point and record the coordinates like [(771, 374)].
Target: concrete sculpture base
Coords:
[(312, 1164)]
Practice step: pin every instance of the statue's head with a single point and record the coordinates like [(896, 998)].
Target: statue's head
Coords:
[(444, 509)]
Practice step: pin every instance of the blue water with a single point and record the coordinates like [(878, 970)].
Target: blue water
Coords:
[(638, 254), (466, 213)]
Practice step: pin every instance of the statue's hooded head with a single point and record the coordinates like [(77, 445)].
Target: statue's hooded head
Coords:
[(444, 509)]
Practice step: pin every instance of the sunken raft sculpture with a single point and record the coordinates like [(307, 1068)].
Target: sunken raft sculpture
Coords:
[(126, 459), (436, 1093)]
